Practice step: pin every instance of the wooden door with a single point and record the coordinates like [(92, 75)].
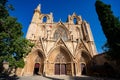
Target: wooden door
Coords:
[(57, 69), (63, 69), (36, 68)]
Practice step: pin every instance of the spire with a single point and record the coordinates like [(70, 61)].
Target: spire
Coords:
[(38, 8)]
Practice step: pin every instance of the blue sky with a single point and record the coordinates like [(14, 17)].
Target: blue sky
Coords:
[(61, 9)]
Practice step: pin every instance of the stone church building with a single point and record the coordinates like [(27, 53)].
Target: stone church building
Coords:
[(61, 48)]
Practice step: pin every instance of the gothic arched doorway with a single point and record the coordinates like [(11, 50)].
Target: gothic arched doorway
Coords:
[(62, 63), (84, 61), (39, 65), (59, 61), (83, 69)]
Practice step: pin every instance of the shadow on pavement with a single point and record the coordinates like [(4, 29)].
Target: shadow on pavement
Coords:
[(77, 78), (89, 78), (82, 78), (53, 78), (6, 77), (70, 78)]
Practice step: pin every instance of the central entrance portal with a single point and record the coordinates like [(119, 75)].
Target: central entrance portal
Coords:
[(62, 64), (60, 69)]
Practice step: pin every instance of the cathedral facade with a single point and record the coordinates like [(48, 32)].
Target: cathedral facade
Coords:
[(61, 48)]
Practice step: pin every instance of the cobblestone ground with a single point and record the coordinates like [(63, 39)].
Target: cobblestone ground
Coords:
[(61, 78)]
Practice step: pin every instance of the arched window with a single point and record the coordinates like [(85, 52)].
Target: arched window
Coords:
[(60, 32), (75, 21), (44, 19)]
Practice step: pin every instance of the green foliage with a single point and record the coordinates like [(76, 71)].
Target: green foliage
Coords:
[(20, 63), (111, 28), (3, 2), (3, 11), (13, 47)]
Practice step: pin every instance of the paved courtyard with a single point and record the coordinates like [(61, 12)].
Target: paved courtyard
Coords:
[(61, 78)]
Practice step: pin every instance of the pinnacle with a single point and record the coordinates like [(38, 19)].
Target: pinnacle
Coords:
[(38, 7)]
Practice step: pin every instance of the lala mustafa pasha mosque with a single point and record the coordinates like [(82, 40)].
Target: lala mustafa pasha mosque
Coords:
[(61, 48)]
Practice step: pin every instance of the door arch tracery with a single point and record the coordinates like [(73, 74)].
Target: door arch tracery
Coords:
[(61, 61)]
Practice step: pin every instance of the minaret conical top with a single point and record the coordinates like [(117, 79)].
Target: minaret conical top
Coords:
[(38, 8)]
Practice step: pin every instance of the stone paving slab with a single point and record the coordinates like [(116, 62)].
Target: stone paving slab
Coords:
[(61, 78)]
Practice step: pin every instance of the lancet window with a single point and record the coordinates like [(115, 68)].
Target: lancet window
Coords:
[(61, 33)]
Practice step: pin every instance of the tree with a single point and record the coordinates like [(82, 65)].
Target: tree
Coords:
[(13, 47), (111, 28)]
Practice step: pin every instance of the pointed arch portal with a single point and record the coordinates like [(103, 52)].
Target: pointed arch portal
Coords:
[(61, 60), (84, 62), (61, 64), (38, 64)]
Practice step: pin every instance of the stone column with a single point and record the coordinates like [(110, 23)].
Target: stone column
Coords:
[(44, 69), (72, 67)]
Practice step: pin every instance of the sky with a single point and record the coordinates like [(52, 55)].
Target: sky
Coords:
[(24, 10)]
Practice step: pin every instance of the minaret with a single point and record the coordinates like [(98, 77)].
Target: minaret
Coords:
[(31, 34), (36, 14)]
